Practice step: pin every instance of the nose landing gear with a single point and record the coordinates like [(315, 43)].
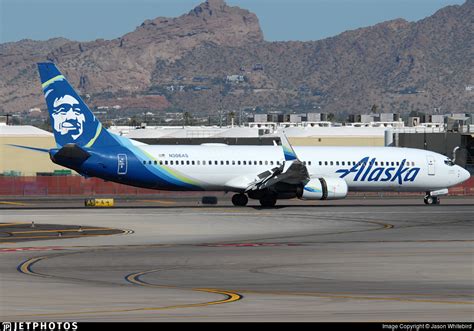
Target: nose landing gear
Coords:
[(431, 200)]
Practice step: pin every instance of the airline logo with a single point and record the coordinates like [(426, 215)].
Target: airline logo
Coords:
[(68, 118), (366, 170)]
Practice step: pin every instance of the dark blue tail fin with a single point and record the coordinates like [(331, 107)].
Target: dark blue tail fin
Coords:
[(71, 119)]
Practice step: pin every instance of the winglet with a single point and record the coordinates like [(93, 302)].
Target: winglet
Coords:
[(288, 150)]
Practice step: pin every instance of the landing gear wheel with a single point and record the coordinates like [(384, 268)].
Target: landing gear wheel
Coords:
[(240, 200), (268, 201), (428, 200), (431, 200)]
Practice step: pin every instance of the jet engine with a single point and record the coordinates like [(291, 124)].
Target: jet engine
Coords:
[(324, 188)]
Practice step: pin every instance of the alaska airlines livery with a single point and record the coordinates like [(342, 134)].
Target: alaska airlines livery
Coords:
[(266, 173)]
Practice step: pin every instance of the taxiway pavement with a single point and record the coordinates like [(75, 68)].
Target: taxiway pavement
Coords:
[(357, 260)]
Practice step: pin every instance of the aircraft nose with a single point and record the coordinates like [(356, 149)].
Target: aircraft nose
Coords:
[(465, 175), (461, 174)]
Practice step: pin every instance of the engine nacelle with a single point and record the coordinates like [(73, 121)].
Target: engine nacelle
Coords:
[(325, 188)]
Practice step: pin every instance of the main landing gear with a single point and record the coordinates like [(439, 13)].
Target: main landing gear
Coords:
[(240, 200), (268, 201), (431, 200)]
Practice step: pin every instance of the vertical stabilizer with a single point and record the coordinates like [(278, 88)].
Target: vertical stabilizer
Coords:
[(72, 121)]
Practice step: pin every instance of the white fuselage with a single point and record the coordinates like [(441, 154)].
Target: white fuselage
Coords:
[(230, 168)]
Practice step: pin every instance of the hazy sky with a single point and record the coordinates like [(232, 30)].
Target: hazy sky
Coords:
[(84, 20)]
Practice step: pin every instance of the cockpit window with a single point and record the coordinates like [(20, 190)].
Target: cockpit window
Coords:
[(449, 162)]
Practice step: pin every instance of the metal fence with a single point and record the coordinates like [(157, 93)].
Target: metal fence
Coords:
[(64, 185), (80, 186)]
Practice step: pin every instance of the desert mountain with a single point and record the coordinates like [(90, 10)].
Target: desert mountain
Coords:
[(215, 58)]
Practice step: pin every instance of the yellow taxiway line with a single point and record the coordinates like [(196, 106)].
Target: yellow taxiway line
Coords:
[(14, 203), (61, 230), (25, 268)]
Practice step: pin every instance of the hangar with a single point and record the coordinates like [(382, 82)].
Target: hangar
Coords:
[(22, 162)]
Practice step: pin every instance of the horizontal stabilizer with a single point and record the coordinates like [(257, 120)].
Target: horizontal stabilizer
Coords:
[(36, 149)]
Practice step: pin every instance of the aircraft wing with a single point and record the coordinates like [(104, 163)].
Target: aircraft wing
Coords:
[(293, 171)]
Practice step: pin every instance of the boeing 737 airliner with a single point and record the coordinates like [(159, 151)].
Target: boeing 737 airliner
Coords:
[(266, 173)]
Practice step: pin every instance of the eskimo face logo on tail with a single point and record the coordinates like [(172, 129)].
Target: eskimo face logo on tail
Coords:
[(71, 120), (68, 117), (366, 170)]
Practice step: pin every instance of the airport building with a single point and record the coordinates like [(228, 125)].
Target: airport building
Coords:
[(16, 161), (439, 137), (305, 134)]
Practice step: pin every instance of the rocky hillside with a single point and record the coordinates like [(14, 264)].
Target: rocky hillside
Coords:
[(215, 58)]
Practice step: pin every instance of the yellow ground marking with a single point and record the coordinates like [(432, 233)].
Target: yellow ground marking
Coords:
[(62, 230), (12, 224), (13, 203), (231, 296), (25, 268), (56, 237)]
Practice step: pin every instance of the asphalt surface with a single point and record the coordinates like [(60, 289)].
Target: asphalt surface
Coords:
[(177, 260)]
